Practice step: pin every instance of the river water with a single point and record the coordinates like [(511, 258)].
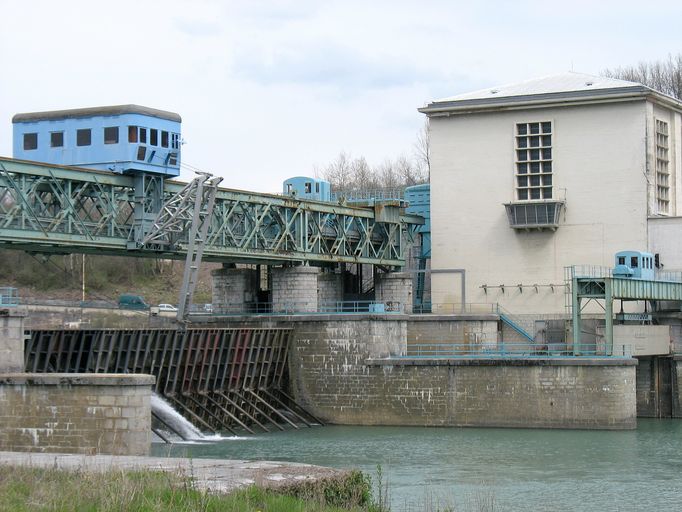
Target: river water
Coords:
[(517, 469)]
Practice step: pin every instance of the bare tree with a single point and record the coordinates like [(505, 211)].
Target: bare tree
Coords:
[(662, 75), (422, 148)]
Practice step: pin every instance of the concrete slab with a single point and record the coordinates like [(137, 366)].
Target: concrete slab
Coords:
[(217, 475)]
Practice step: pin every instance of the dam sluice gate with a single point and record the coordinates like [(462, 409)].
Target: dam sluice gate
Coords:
[(219, 379)]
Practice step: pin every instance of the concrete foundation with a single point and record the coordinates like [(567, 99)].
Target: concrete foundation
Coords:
[(294, 289), (76, 413), (11, 340), (395, 290), (348, 372), (233, 287)]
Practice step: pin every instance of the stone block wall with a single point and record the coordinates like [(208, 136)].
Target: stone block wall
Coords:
[(349, 374), (232, 287), (11, 340), (329, 288), (76, 413), (425, 333), (294, 289), (395, 290)]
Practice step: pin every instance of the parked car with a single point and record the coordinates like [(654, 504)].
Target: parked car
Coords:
[(167, 307), (132, 302)]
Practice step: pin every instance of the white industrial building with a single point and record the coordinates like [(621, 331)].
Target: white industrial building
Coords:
[(529, 178)]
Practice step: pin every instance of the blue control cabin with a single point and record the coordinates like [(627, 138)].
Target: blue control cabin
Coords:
[(418, 198), (635, 265), (303, 187), (121, 139)]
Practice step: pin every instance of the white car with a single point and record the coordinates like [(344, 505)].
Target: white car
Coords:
[(167, 307)]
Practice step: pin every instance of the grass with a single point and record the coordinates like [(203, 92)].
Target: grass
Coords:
[(37, 489)]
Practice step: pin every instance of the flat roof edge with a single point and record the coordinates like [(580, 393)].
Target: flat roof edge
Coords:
[(558, 97), (96, 111)]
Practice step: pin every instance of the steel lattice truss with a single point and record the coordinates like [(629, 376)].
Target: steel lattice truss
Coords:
[(47, 208)]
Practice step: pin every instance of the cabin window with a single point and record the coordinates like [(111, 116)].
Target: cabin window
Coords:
[(172, 158), (290, 188), (143, 135), (633, 262), (164, 139), (154, 137), (308, 187), (317, 188), (141, 152), (132, 133), (175, 140), (621, 260), (83, 137), (30, 141), (56, 139), (533, 161), (111, 135)]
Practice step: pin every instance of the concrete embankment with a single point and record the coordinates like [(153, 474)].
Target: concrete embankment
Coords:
[(208, 474)]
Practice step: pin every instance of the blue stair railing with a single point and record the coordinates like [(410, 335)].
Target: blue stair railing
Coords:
[(508, 319)]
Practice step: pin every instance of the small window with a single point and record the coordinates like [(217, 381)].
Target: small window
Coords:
[(57, 139), (290, 188), (83, 137), (132, 133), (172, 158), (164, 139), (317, 188), (30, 141), (141, 153), (633, 262), (175, 140), (152, 154), (621, 260), (308, 187), (154, 137), (143, 135), (111, 135)]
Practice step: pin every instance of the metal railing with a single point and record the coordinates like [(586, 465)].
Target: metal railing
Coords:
[(599, 272), (510, 350), (9, 297), (450, 308), (304, 308)]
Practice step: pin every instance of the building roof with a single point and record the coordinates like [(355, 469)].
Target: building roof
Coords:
[(113, 110), (565, 88)]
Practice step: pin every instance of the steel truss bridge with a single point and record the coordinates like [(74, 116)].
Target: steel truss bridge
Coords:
[(54, 209)]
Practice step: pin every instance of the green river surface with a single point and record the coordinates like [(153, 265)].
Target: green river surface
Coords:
[(519, 469)]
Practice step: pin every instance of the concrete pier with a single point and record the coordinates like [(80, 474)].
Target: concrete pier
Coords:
[(294, 287), (76, 413), (395, 290)]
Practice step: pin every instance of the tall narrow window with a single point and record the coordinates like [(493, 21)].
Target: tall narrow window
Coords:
[(164, 139), (154, 137), (30, 141), (83, 137), (662, 168), (533, 161), (56, 139), (143, 135), (111, 135), (132, 133), (175, 140)]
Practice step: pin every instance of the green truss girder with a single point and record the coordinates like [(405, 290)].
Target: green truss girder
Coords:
[(47, 208)]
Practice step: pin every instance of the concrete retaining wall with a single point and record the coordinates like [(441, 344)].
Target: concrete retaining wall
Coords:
[(346, 373), (76, 413)]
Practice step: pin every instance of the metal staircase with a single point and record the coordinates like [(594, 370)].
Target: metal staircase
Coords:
[(513, 322)]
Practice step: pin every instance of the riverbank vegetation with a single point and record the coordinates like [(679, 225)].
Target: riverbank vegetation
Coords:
[(29, 489)]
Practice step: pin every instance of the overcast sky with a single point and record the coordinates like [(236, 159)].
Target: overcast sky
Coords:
[(269, 90)]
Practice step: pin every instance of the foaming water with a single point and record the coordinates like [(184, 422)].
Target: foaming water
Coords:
[(174, 420), (520, 469)]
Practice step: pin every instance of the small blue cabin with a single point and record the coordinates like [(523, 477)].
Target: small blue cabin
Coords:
[(121, 139), (418, 198), (635, 265), (303, 187)]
